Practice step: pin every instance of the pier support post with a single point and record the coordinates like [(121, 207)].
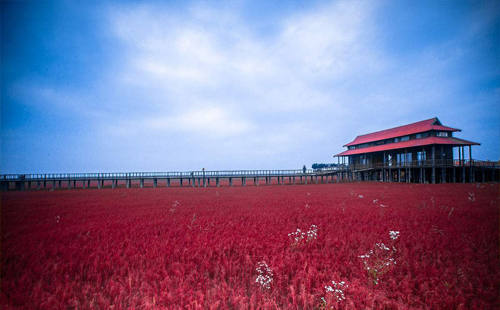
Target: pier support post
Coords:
[(155, 183), (433, 176), (218, 184), (471, 166), (282, 180), (483, 176), (244, 181), (98, 183), (231, 182), (142, 183), (112, 183), (294, 180), (69, 184), (256, 181), (88, 183), (54, 184), (199, 181), (129, 183), (463, 164)]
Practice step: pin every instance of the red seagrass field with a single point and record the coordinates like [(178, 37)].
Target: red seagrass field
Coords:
[(360, 246)]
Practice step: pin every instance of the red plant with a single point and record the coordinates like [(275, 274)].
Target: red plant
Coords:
[(198, 248)]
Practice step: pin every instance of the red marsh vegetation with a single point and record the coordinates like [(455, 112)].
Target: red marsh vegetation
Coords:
[(325, 246)]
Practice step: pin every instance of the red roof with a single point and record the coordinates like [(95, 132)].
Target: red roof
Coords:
[(422, 126), (408, 144)]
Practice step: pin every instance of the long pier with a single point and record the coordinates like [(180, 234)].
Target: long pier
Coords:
[(425, 171), (189, 178)]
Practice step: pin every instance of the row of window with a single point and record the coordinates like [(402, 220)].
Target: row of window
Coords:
[(399, 139)]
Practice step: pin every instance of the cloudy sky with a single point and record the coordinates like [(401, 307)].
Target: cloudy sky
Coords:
[(170, 86)]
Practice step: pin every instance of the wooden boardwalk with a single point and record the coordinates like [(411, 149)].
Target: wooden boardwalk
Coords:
[(415, 171), (189, 178)]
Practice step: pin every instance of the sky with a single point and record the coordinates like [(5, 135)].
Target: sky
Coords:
[(183, 85)]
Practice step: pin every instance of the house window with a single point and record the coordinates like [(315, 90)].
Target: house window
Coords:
[(351, 147), (442, 134), (405, 138), (421, 156), (396, 140)]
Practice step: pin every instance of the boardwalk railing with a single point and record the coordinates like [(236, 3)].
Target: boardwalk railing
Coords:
[(244, 173), (439, 163), (156, 175)]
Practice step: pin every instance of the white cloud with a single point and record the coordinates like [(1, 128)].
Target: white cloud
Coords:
[(203, 77), (214, 122)]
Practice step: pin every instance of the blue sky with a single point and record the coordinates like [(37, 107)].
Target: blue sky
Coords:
[(169, 86)]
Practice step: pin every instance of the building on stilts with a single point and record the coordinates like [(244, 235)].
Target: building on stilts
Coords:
[(422, 152)]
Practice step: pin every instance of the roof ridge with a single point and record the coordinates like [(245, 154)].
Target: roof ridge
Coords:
[(434, 118)]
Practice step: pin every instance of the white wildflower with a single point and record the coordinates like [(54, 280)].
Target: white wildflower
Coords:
[(299, 235), (265, 276), (377, 262), (394, 234), (336, 290)]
